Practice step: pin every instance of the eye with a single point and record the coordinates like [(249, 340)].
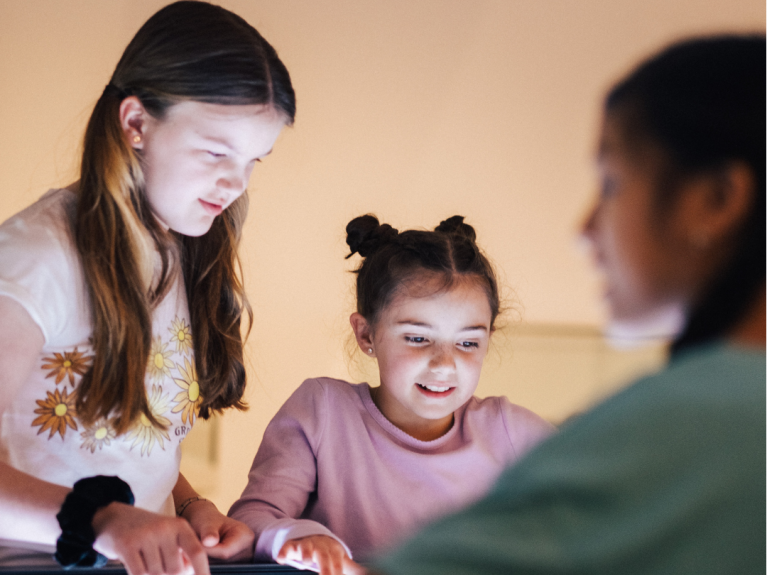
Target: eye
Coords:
[(415, 339), (469, 344), (215, 154), (608, 187)]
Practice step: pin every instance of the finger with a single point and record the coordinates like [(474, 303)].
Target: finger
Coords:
[(353, 568), (288, 551), (209, 536), (191, 547), (133, 562), (152, 559), (172, 558), (236, 541), (329, 563)]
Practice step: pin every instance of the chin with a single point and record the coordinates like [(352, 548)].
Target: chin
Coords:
[(659, 325), (192, 231)]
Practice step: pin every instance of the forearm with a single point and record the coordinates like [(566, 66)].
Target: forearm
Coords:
[(33, 505), (183, 491)]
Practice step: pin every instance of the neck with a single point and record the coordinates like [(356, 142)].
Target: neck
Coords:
[(751, 330)]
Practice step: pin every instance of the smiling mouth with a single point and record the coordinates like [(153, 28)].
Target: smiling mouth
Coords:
[(434, 389), (213, 209)]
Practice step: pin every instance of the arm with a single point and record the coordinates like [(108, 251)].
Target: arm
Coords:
[(284, 475), (140, 539), (33, 502)]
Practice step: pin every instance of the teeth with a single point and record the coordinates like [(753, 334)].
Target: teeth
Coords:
[(434, 388)]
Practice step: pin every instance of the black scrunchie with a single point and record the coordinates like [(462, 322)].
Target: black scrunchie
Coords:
[(364, 235), (74, 548)]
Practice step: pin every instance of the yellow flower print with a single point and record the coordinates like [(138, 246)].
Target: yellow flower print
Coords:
[(65, 364), (182, 335), (99, 435), (143, 431), (57, 412), (159, 362), (190, 399)]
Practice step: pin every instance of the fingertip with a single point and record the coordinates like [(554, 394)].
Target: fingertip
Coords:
[(210, 540)]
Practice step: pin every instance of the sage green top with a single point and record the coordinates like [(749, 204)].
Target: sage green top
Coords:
[(667, 476)]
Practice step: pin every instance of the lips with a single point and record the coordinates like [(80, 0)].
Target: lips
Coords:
[(211, 208), (431, 390)]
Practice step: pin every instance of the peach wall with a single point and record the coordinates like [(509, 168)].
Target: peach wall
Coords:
[(412, 109)]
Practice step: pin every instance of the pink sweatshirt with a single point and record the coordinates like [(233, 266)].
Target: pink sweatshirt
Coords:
[(330, 463)]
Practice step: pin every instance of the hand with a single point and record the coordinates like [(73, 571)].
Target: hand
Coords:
[(319, 553), (221, 536), (148, 543)]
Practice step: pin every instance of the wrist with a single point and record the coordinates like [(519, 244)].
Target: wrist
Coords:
[(74, 547), (196, 501)]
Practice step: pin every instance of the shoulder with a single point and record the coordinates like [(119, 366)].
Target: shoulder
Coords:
[(45, 223), (524, 428), (316, 404), (39, 266), (324, 387), (317, 398)]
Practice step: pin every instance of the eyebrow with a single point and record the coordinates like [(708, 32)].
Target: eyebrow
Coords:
[(229, 146), (426, 325)]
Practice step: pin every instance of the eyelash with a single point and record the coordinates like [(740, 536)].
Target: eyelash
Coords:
[(421, 340)]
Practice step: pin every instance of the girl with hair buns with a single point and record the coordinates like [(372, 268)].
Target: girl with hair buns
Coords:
[(667, 477), (351, 469), (122, 305)]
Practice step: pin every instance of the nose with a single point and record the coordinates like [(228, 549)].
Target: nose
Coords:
[(588, 227), (442, 361), (233, 181)]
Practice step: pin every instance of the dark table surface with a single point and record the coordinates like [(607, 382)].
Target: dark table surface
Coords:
[(215, 569)]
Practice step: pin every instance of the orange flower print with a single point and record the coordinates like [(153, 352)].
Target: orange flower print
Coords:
[(69, 363), (57, 412), (182, 335), (190, 399)]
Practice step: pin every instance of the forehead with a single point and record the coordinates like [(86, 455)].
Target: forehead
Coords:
[(434, 295), (206, 118)]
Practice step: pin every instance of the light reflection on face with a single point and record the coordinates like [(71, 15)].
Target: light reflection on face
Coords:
[(430, 346), (197, 160)]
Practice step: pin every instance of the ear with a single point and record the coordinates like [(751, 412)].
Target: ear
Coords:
[(714, 206), (363, 333), (133, 120)]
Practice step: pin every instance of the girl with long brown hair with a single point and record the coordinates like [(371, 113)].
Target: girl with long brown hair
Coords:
[(122, 305)]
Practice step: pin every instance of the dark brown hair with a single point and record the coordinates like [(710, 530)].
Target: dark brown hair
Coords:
[(394, 259), (187, 51), (702, 103)]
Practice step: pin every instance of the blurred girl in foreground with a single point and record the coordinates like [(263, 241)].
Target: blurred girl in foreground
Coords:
[(667, 476)]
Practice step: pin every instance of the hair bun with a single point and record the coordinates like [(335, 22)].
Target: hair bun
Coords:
[(455, 226), (365, 235)]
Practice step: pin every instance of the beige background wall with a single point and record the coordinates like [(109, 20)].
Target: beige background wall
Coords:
[(412, 109)]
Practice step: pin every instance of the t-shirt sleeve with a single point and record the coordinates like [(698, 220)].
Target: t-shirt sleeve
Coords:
[(39, 267), (283, 478)]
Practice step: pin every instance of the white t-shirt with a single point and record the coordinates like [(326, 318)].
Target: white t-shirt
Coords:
[(40, 432)]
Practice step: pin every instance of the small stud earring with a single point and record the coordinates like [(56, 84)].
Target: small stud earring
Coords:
[(370, 350), (136, 139)]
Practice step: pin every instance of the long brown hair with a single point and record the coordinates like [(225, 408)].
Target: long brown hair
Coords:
[(187, 51)]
